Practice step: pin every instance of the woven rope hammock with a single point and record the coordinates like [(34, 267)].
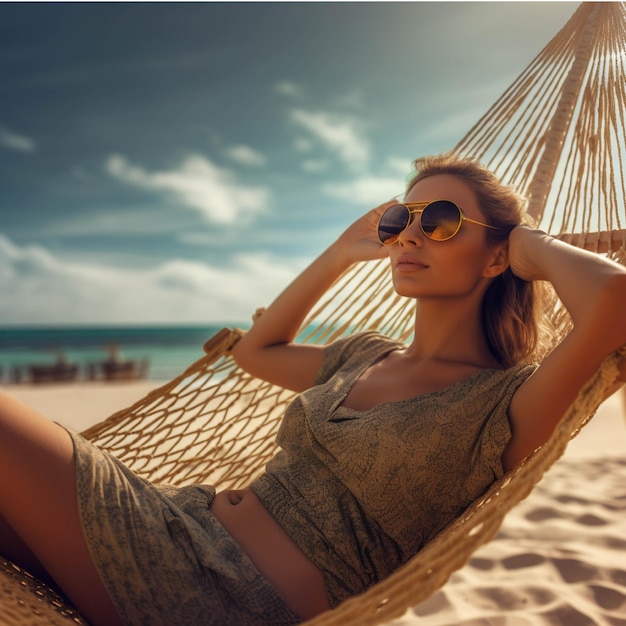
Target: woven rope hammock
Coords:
[(557, 133)]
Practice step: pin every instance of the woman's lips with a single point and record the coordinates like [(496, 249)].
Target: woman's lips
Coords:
[(409, 263)]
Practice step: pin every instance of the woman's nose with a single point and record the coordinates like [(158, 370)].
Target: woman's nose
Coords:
[(412, 234)]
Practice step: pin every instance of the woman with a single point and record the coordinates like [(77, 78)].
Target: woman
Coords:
[(385, 444)]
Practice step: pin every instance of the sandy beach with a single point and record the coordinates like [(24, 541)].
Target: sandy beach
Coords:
[(80, 405), (559, 558)]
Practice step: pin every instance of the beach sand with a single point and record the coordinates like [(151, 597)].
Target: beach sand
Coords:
[(559, 558), (80, 405)]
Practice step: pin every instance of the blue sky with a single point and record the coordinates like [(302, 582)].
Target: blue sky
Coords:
[(179, 163)]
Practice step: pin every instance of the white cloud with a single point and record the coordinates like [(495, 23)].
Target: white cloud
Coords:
[(399, 165), (13, 141), (245, 155), (372, 189), (315, 165), (46, 289), (287, 88), (119, 221), (197, 184), (302, 144), (367, 190), (339, 133)]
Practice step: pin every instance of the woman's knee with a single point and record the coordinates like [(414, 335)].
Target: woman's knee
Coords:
[(31, 443)]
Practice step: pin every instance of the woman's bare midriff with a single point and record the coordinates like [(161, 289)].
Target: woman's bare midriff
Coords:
[(273, 552)]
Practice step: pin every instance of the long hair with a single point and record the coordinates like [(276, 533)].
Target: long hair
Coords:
[(514, 310)]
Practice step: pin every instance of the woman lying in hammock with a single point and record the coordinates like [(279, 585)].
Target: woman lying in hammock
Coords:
[(384, 446)]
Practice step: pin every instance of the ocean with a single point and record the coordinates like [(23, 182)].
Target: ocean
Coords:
[(167, 351)]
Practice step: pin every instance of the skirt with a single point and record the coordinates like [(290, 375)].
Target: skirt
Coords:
[(163, 557)]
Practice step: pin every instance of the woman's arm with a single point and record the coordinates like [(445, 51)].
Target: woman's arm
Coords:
[(593, 290), (267, 349)]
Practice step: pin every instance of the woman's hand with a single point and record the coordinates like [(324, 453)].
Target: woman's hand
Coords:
[(593, 291), (359, 242), (524, 243)]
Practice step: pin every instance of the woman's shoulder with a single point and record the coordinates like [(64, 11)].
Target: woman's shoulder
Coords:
[(505, 382), (359, 346)]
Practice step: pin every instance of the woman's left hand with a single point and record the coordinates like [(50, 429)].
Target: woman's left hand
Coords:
[(523, 245)]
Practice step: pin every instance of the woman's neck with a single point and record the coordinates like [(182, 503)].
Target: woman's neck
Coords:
[(449, 331)]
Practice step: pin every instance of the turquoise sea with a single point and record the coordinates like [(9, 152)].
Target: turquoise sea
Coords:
[(168, 350)]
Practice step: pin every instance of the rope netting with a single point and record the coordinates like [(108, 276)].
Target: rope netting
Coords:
[(556, 134)]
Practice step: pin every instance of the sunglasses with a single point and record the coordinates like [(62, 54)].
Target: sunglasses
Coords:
[(439, 220)]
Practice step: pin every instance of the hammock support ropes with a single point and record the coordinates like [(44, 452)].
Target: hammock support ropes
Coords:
[(556, 134)]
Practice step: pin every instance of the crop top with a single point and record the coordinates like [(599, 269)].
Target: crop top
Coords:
[(360, 492)]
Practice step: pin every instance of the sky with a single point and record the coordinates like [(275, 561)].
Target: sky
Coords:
[(175, 164)]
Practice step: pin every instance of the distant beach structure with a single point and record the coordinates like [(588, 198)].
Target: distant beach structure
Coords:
[(48, 355), (117, 367)]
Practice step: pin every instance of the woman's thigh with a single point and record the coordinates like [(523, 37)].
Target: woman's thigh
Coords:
[(13, 548), (38, 500)]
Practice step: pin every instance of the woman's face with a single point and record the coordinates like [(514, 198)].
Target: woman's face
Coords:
[(422, 268)]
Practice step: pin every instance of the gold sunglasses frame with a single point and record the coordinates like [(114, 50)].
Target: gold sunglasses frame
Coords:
[(421, 206)]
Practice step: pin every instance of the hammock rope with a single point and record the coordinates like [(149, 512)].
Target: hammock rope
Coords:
[(216, 424)]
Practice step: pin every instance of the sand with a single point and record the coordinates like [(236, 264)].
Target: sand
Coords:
[(81, 404), (559, 558)]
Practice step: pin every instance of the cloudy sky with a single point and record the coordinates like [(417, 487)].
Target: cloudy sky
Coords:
[(175, 164)]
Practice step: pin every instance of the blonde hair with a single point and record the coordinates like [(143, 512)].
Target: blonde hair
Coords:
[(514, 310)]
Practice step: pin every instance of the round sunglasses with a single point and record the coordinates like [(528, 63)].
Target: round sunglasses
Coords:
[(439, 220)]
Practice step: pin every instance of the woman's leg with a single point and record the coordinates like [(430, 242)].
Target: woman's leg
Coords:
[(38, 501), (13, 548)]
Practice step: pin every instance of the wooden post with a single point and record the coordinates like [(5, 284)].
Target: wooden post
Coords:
[(540, 186)]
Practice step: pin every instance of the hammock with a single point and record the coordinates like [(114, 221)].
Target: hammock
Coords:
[(557, 133)]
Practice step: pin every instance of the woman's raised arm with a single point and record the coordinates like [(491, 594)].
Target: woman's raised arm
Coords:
[(593, 290), (267, 349)]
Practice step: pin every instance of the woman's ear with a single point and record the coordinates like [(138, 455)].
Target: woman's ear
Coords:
[(498, 260)]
